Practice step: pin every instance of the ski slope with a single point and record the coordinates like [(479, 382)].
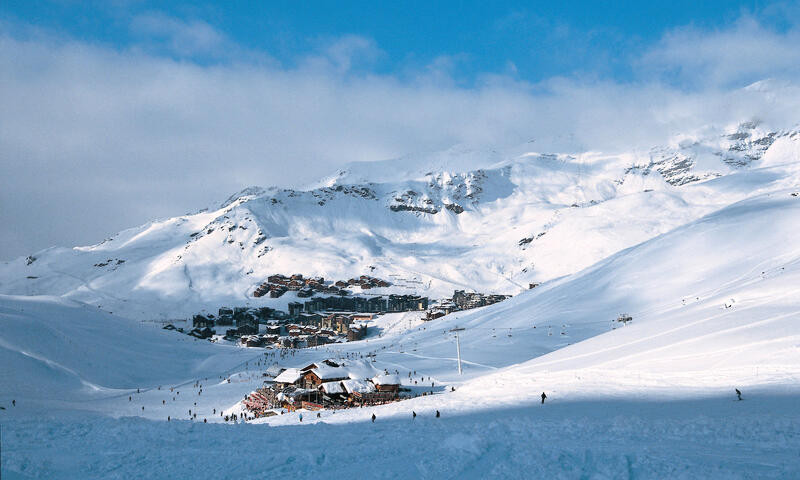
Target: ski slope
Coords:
[(715, 306), (697, 243)]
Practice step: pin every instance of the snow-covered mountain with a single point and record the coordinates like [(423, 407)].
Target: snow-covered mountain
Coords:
[(483, 220), (714, 306), (695, 241)]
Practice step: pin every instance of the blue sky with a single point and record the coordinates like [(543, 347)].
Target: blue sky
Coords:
[(531, 41), (122, 111)]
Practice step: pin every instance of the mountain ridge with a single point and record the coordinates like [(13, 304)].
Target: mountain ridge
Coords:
[(518, 219)]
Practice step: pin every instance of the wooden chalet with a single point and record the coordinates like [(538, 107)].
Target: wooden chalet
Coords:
[(387, 383), (315, 377), (290, 376)]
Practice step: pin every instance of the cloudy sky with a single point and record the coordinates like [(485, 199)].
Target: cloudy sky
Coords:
[(115, 113)]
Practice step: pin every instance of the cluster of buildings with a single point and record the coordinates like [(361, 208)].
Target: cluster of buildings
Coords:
[(333, 328), (276, 285), (242, 320), (462, 300), (374, 304), (325, 384), (301, 331)]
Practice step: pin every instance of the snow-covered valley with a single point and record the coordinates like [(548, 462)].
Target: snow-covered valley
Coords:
[(697, 243)]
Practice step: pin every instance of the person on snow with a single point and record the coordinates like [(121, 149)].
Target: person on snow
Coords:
[(373, 418), (738, 394), (543, 397), (130, 399), (301, 417), (13, 403), (413, 415), (438, 414), (168, 419)]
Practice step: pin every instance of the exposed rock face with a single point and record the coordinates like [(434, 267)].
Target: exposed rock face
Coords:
[(698, 160)]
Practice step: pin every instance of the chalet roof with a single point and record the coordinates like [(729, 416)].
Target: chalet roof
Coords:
[(386, 380), (360, 386), (332, 388), (326, 372), (361, 369), (290, 375)]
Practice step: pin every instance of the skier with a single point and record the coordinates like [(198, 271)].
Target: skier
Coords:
[(738, 394), (438, 414), (129, 399), (168, 419), (301, 417), (373, 418), (413, 415), (13, 403), (543, 397), (318, 415)]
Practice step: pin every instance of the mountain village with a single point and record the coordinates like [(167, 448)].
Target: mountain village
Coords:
[(320, 320)]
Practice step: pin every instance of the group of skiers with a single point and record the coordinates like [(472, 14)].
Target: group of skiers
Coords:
[(413, 416)]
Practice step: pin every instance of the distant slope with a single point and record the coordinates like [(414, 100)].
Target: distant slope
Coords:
[(715, 305), (57, 352)]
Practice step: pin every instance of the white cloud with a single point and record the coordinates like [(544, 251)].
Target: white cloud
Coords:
[(744, 52), (94, 139), (181, 37)]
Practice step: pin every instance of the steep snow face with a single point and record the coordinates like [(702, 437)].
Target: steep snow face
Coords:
[(714, 305), (501, 221)]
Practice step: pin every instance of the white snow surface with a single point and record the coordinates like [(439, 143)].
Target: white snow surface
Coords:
[(709, 271), (527, 217)]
